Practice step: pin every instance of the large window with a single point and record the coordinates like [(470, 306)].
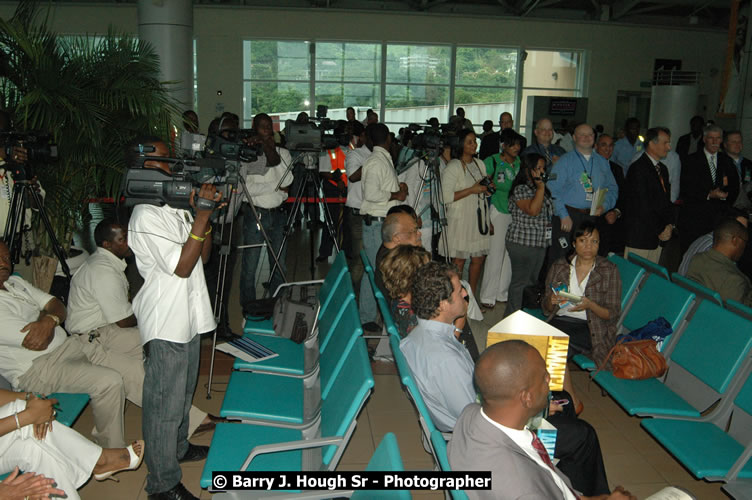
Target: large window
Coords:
[(551, 73), (404, 83)]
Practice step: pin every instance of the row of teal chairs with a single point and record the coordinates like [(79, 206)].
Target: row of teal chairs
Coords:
[(297, 417), (701, 409), (433, 440)]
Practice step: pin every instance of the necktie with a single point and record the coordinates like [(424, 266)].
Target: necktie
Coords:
[(538, 445), (658, 167), (713, 168)]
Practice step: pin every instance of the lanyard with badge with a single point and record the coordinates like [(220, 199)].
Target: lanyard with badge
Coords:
[(585, 178)]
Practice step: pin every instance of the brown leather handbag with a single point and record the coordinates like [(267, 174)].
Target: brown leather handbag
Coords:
[(636, 360)]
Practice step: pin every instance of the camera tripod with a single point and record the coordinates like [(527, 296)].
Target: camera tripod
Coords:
[(310, 180), (25, 195), (431, 176), (224, 255)]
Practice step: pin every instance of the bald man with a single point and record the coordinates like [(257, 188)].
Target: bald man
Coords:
[(579, 175), (513, 382), (544, 135)]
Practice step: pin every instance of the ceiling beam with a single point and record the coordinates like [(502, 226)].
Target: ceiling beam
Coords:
[(622, 7)]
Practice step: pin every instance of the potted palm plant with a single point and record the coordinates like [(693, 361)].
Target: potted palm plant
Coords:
[(93, 95)]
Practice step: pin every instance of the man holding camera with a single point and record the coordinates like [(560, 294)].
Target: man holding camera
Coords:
[(263, 176), (172, 308)]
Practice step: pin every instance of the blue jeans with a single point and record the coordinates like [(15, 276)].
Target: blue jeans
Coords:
[(371, 243), (274, 221), (170, 376)]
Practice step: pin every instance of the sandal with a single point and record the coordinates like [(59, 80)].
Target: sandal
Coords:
[(133, 465)]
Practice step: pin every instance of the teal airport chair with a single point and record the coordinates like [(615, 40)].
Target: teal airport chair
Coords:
[(440, 446), (333, 278), (649, 266), (301, 360), (385, 458), (702, 367), (319, 447), (700, 291), (267, 399), (713, 449)]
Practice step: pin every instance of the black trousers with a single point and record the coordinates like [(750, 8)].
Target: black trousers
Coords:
[(578, 451)]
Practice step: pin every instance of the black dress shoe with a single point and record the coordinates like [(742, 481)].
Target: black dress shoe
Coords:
[(177, 493), (194, 454)]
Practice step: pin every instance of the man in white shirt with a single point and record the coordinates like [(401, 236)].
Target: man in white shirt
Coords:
[(172, 308), (381, 191), (353, 243), (36, 355), (513, 383), (269, 203)]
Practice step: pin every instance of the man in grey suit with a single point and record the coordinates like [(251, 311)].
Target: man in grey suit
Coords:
[(513, 382)]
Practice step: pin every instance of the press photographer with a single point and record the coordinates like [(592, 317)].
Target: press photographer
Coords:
[(172, 308)]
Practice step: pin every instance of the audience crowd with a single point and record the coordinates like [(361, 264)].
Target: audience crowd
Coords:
[(529, 220)]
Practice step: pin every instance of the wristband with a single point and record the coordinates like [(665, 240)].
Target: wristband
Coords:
[(209, 231), (197, 238), (54, 318), (18, 424)]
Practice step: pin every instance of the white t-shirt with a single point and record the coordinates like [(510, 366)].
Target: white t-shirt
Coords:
[(378, 181), (262, 188), (20, 304), (167, 307), (98, 293), (354, 160)]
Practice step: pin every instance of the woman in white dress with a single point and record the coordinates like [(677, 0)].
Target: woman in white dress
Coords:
[(29, 441), (465, 196)]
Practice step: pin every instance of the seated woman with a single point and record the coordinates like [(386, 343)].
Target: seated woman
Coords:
[(29, 441), (591, 323), (397, 269)]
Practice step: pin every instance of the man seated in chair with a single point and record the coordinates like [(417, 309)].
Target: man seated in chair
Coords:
[(716, 269), (38, 356), (99, 310), (513, 383), (443, 371)]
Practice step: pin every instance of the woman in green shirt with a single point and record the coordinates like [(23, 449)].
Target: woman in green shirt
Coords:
[(502, 168)]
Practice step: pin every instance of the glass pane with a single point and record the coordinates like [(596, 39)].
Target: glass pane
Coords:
[(338, 96), (484, 103), (276, 98), (417, 64), (551, 69), (416, 103), (275, 60), (359, 62), (485, 66)]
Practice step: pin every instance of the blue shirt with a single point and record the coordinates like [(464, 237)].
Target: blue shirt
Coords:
[(624, 152), (442, 369), (567, 188)]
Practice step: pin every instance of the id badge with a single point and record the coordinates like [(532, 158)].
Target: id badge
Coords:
[(501, 178), (588, 196), (586, 184), (549, 232)]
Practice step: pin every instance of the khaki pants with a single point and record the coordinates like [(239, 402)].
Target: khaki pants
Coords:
[(107, 376), (653, 255)]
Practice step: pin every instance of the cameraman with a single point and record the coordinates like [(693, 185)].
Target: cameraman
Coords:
[(269, 204), (172, 308), (334, 185)]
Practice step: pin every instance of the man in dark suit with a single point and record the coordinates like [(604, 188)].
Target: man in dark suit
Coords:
[(649, 216), (611, 229), (513, 383), (732, 146), (709, 184), (489, 145), (691, 143)]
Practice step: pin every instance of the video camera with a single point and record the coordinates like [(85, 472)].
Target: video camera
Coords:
[(231, 145), (309, 137), (155, 187), (39, 149), (433, 139)]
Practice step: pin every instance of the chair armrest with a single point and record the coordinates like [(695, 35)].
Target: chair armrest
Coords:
[(309, 282), (288, 446)]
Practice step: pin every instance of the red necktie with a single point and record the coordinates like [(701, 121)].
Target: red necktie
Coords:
[(538, 445)]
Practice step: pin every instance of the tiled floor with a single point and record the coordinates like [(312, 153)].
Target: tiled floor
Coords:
[(632, 457)]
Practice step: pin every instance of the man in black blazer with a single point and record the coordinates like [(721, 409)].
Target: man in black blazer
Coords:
[(691, 143), (648, 218), (709, 184), (732, 146)]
